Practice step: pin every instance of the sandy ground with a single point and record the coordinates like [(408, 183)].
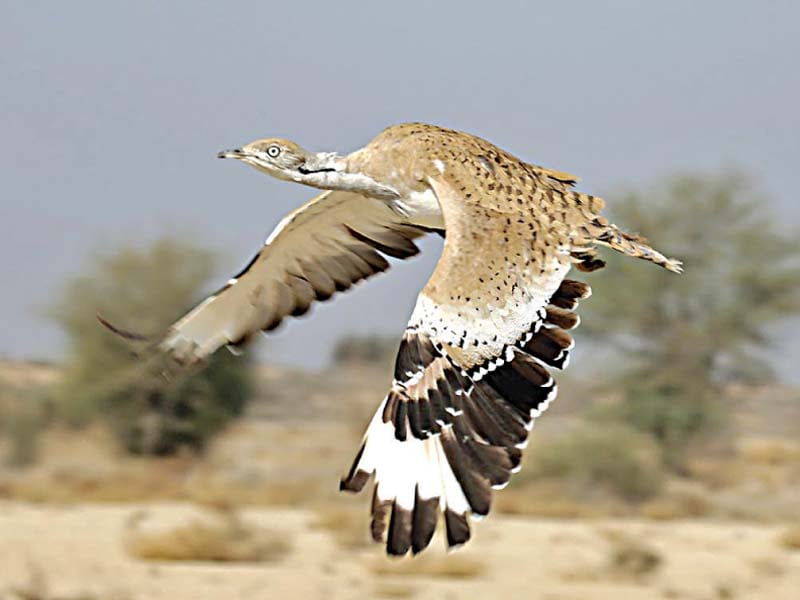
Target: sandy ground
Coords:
[(79, 552)]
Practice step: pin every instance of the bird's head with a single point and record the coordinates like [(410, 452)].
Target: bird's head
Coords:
[(287, 160)]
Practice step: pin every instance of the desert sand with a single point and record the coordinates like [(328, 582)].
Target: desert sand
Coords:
[(79, 551)]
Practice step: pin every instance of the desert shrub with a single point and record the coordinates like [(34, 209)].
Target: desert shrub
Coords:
[(225, 539), (347, 526), (672, 415), (385, 589), (679, 339), (790, 538), (633, 558), (367, 350), (677, 505), (551, 500), (771, 452), (21, 424), (22, 428), (613, 458), (146, 289)]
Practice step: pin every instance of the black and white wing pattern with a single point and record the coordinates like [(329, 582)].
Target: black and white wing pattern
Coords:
[(472, 374), (325, 246)]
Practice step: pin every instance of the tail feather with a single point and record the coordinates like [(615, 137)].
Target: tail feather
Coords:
[(636, 246)]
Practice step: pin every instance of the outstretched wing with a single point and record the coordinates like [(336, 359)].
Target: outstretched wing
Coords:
[(327, 245), (472, 373)]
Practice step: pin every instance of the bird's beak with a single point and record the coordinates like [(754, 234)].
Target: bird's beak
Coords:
[(237, 153)]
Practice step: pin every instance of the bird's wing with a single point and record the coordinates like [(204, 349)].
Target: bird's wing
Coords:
[(333, 241), (472, 373)]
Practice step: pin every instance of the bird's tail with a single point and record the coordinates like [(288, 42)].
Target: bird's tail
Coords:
[(600, 231)]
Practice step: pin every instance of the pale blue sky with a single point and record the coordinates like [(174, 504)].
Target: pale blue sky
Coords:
[(111, 114)]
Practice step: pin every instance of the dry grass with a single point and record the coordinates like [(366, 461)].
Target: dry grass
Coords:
[(630, 557), (608, 460), (394, 590), (634, 559), (38, 588), (768, 566), (772, 451), (717, 473), (430, 564), (553, 499), (347, 525), (677, 505), (224, 539), (524, 502), (132, 481), (790, 538)]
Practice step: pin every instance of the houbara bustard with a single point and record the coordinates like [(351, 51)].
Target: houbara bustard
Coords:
[(472, 369)]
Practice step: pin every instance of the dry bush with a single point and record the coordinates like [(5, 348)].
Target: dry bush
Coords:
[(635, 559), (25, 404), (551, 499), (774, 452), (717, 474), (226, 539), (430, 564), (126, 482), (790, 538), (301, 492), (631, 557), (768, 566), (347, 525), (524, 502), (611, 458), (22, 427), (677, 505), (394, 590)]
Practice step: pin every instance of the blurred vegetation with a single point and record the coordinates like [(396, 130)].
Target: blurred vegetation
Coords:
[(683, 337), (225, 538), (366, 350), (21, 423), (790, 538), (144, 289), (612, 458), (631, 556), (24, 414)]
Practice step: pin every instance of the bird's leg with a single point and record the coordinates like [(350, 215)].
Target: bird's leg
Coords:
[(586, 258)]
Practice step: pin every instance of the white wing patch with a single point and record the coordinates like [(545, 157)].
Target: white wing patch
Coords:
[(489, 335)]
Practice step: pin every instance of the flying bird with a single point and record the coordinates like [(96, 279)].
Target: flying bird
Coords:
[(473, 368)]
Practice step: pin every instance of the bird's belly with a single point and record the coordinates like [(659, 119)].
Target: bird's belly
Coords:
[(421, 208)]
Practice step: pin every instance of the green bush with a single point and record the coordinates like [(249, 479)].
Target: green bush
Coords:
[(673, 415), (104, 378), (612, 458)]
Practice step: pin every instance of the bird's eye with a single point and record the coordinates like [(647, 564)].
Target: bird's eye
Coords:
[(273, 151)]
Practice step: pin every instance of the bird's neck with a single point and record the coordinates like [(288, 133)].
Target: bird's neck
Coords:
[(329, 171)]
